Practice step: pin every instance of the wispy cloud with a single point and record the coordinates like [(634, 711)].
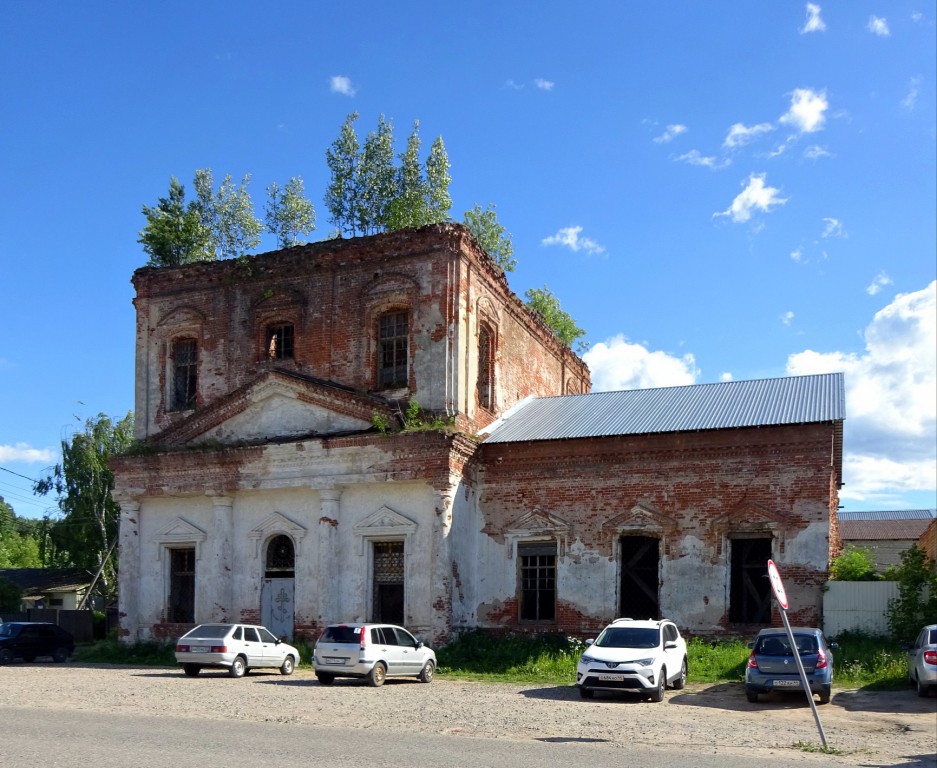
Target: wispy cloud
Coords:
[(513, 85), (910, 100), (833, 228), (569, 237), (878, 25), (670, 134), (341, 84), (26, 454), (815, 152), (891, 437), (695, 157), (814, 22), (787, 318), (544, 85), (740, 134), (806, 112), (618, 363), (755, 196), (877, 284), (797, 254)]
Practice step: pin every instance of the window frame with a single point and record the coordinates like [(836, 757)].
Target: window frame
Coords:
[(284, 330), (543, 595), (396, 374), (173, 601), (183, 384)]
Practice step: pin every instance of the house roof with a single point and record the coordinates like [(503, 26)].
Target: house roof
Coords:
[(37, 581), (890, 514), (882, 530), (727, 405)]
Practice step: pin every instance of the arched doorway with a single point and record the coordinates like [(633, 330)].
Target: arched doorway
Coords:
[(277, 592)]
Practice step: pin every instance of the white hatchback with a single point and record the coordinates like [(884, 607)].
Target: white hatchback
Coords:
[(643, 656), (373, 652), (237, 647)]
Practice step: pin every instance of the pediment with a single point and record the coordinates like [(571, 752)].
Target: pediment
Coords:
[(749, 516), (277, 524), (180, 531), (277, 406), (385, 522), (641, 517), (539, 521)]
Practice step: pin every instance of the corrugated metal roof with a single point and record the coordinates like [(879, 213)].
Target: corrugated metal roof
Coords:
[(890, 514), (879, 530), (727, 405)]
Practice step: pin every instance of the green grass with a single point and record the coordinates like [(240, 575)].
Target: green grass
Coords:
[(861, 661)]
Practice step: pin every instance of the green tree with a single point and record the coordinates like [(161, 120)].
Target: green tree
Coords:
[(491, 236), (11, 596), (406, 209), (289, 214), (341, 196), (854, 564), (376, 179), (19, 544), (174, 233), (85, 535), (227, 214), (438, 200), (916, 604), (544, 303)]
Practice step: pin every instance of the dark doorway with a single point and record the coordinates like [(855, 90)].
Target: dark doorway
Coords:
[(182, 586), (640, 579), (750, 589), (388, 582)]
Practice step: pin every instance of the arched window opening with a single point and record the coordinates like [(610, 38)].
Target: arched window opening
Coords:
[(485, 368), (281, 558)]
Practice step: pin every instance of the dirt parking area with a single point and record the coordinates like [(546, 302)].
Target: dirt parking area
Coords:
[(864, 728)]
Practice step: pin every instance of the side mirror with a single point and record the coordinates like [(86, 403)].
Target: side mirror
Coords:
[(834, 646), (669, 644), (419, 644), (590, 641), (751, 645)]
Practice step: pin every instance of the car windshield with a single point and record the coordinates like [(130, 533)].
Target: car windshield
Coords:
[(209, 630), (779, 645), (342, 634), (629, 637)]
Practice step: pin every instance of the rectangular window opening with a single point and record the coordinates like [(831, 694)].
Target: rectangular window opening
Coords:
[(537, 564)]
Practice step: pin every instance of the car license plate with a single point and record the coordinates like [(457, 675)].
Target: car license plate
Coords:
[(609, 677), (199, 648), (333, 660), (787, 683)]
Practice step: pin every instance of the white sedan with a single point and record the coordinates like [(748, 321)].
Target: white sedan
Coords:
[(236, 647)]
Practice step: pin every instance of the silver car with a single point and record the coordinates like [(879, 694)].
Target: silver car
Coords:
[(372, 652), (922, 660), (236, 647)]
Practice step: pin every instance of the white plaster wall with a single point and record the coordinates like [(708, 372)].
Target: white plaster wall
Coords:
[(693, 588)]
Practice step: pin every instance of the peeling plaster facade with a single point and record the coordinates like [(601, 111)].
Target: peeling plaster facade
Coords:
[(276, 493)]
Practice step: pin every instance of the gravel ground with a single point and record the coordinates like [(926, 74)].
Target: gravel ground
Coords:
[(865, 728)]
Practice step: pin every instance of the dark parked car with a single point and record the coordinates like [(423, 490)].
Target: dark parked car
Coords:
[(773, 667), (28, 640)]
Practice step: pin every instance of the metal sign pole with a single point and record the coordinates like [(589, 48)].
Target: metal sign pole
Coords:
[(803, 675)]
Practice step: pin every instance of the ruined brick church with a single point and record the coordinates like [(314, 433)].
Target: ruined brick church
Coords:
[(379, 429)]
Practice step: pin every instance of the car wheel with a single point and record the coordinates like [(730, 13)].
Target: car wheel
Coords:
[(586, 693), (825, 695), (325, 678), (238, 667), (286, 668), (191, 670), (751, 695), (376, 675), (59, 655), (658, 693), (680, 682), (6, 656), (427, 673), (922, 690), (29, 658)]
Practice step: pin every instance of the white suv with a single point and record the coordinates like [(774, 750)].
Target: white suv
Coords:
[(644, 656), (373, 652)]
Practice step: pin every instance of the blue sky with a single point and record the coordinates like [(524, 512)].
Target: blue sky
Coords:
[(735, 190)]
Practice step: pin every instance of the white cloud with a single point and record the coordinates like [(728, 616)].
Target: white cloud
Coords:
[(740, 134), (670, 134), (806, 112), (879, 26), (880, 281), (890, 439), (21, 452), (797, 254), (569, 236), (833, 228), (755, 196), (618, 364), (815, 152), (814, 22), (726, 376), (544, 85), (341, 84), (909, 101), (514, 85), (694, 157), (787, 318)]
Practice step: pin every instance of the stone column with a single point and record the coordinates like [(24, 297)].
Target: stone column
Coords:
[(217, 588), (328, 580), (128, 596)]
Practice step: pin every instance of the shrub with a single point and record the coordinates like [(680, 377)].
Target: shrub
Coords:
[(916, 604), (854, 564)]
